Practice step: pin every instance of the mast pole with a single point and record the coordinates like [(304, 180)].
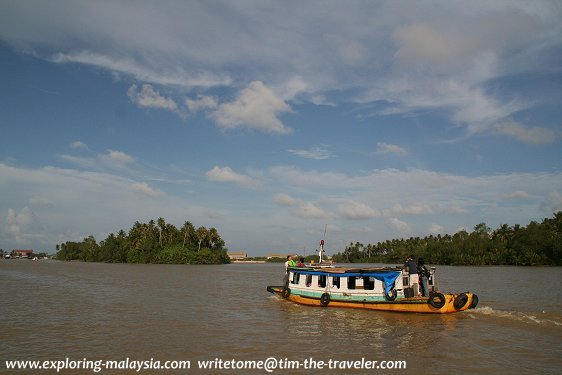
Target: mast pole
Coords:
[(321, 251)]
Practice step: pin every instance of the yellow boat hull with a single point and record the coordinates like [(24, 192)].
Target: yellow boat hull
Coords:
[(451, 303)]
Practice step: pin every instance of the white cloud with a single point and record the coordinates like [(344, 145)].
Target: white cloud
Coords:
[(455, 208), (150, 98), (21, 227), (316, 153), (84, 162), (79, 145), (422, 41), (553, 202), (300, 208), (436, 229), (398, 225), (413, 209), (285, 200), (531, 135), (296, 177), (293, 87), (385, 148), (416, 56), (257, 107), (357, 211), (116, 159), (142, 72), (111, 160), (24, 217), (97, 203), (40, 201), (144, 188), (309, 210), (226, 174), (347, 210), (516, 195), (201, 103)]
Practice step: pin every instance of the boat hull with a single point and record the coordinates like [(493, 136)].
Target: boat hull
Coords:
[(451, 303)]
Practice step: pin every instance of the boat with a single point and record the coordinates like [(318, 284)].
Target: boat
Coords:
[(371, 288)]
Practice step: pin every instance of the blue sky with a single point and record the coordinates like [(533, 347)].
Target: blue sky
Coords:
[(273, 121)]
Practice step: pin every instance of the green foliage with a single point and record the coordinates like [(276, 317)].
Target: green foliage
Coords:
[(152, 242), (275, 260), (536, 244)]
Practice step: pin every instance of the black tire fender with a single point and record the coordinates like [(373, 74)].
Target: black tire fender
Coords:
[(437, 300), (286, 292), (460, 301), (474, 302), (391, 296), (324, 299)]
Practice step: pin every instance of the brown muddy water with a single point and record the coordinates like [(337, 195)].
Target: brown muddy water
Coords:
[(51, 310)]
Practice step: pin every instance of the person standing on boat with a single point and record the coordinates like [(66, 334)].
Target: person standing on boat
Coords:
[(424, 274), (301, 262), (289, 263), (413, 270)]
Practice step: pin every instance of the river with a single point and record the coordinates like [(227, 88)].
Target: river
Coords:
[(52, 310)]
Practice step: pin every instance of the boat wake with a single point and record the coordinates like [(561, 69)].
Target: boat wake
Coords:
[(542, 318)]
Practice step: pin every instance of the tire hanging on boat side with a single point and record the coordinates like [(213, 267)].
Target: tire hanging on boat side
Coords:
[(325, 299), (460, 301), (437, 300), (286, 292), (474, 302)]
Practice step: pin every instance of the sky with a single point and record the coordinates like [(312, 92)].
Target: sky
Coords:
[(277, 122)]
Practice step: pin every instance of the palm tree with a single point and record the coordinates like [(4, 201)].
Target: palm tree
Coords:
[(214, 237), (201, 234), (161, 227), (187, 230), (503, 233), (171, 233)]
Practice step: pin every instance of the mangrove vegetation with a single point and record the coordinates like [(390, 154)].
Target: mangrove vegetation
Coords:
[(534, 244), (152, 242)]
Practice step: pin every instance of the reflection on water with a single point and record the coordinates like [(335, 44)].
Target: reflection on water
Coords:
[(52, 310)]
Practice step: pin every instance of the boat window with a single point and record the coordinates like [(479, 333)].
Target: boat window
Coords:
[(308, 280), (351, 282), (296, 278), (368, 283), (336, 281), (406, 281), (322, 281)]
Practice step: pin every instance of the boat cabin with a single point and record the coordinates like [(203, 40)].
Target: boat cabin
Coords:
[(363, 284)]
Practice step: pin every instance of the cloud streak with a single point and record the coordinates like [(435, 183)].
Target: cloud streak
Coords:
[(316, 153)]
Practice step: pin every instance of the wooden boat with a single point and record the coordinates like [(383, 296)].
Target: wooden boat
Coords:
[(380, 288)]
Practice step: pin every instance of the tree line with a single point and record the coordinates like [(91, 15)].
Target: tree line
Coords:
[(535, 244), (152, 242)]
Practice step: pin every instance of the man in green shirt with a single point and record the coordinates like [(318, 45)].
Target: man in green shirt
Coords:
[(290, 262)]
